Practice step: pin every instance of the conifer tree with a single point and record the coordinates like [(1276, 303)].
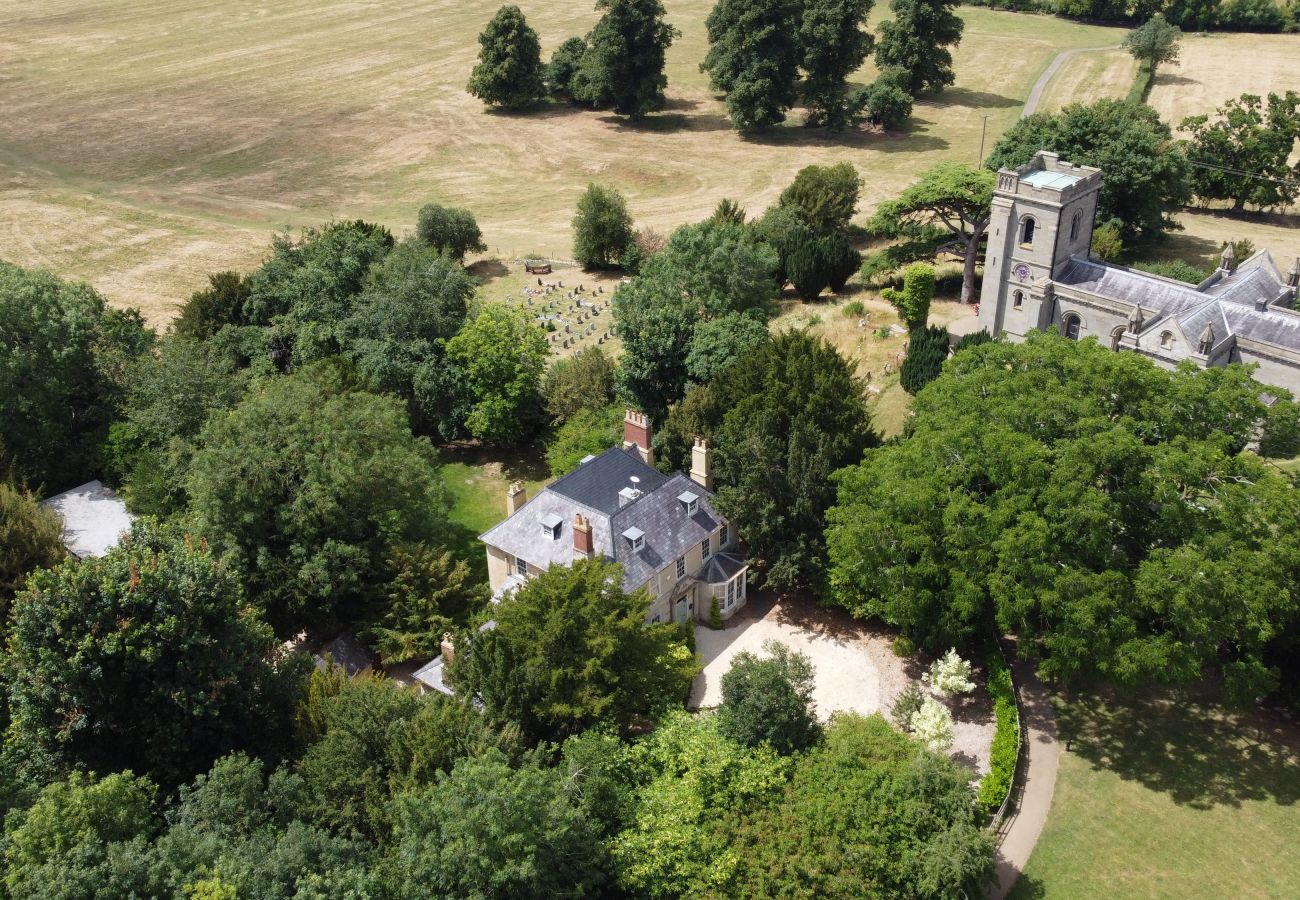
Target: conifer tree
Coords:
[(918, 39), (509, 70)]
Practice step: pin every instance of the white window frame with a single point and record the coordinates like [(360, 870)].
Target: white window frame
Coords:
[(706, 548), (681, 567), (521, 567)]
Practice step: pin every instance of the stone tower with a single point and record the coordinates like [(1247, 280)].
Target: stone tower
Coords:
[(1042, 215)]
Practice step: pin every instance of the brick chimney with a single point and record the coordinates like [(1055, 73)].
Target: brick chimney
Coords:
[(582, 543), (701, 464), (516, 497), (636, 433)]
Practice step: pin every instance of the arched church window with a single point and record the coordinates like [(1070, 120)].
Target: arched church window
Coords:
[(1027, 228), (1167, 341), (1017, 299), (1115, 337), (1074, 225), (1071, 325)]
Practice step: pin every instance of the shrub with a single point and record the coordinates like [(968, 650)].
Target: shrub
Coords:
[(715, 614), (974, 339), (950, 675), (1173, 268), (1107, 245), (926, 351), (903, 647), (913, 301), (1006, 736), (769, 700), (907, 704), (932, 723), (853, 309)]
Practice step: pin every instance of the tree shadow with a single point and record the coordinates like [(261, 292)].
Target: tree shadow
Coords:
[(913, 138), (959, 96), (1028, 888), (488, 270), (667, 123), (1165, 78), (1187, 746), (1190, 248)]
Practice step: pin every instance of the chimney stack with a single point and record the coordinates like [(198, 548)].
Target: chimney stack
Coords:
[(516, 497), (582, 543), (448, 648), (701, 464), (636, 433), (1228, 260)]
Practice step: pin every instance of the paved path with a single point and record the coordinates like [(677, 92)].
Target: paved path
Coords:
[(1033, 799), (1036, 94)]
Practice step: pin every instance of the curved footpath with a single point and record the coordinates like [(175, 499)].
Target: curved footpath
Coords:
[(1036, 93), (1020, 829)]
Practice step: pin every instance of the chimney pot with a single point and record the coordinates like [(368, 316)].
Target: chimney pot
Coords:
[(516, 497)]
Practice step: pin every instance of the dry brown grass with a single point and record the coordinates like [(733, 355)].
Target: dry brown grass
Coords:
[(148, 142), (1090, 76)]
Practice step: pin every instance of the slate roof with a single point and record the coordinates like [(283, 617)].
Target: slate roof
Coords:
[(657, 513), (669, 532), (722, 567), (596, 484), (93, 518)]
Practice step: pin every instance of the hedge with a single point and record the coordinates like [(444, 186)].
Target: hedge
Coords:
[(1006, 738)]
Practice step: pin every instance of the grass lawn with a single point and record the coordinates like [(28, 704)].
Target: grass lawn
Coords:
[(476, 481), (1170, 797), (149, 142)]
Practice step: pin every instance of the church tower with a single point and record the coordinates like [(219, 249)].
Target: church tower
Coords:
[(1042, 215)]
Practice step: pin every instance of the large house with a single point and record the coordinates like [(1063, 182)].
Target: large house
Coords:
[(1039, 274), (662, 529)]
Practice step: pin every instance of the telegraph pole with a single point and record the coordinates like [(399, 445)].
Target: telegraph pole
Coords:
[(983, 128)]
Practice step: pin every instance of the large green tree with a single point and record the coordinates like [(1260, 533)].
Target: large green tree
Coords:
[(623, 65), (602, 227), (706, 272), (449, 230), (835, 44), (63, 359), (209, 310), (1096, 505), (492, 831), (148, 658), (571, 649), (754, 55), (509, 70), (823, 197), (768, 700), (1146, 176), (917, 40), (584, 381), (309, 482), (429, 593), (588, 432), (500, 356), (1154, 42), (1243, 153), (781, 421), (31, 538), (951, 195)]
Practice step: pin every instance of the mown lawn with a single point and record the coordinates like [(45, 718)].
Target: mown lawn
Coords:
[(1170, 797), (476, 481)]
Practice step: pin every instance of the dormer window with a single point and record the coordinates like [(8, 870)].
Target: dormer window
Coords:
[(551, 525), (690, 502), (635, 538)]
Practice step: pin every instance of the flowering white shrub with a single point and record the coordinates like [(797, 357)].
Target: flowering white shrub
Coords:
[(950, 675), (932, 723)]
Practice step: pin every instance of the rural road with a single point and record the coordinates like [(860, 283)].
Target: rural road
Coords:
[(1036, 93), (1024, 824)]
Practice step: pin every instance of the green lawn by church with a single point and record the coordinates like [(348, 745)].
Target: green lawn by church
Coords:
[(1170, 798)]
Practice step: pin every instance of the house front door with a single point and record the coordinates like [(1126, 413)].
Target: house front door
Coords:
[(679, 615)]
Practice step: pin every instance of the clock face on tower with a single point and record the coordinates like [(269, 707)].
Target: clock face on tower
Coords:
[(1021, 271)]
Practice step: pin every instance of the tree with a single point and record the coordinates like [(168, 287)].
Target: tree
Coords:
[(146, 657), (449, 230), (414, 302), (918, 39), (589, 432), (602, 227), (913, 301), (890, 819), (562, 68), (835, 45), (1154, 42), (927, 348), (932, 725), (1063, 492), (63, 355), (31, 538), (75, 818), (492, 831), (950, 675), (788, 415), (500, 356), (430, 592), (707, 271), (582, 654), (718, 343), (1246, 137), (887, 102), (952, 195), (908, 702), (754, 58), (1107, 243), (807, 266), (824, 197), (584, 381), (170, 395), (309, 482), (509, 70), (1146, 173), (769, 700), (623, 66), (728, 212), (207, 311)]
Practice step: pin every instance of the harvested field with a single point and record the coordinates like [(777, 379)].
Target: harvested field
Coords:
[(148, 142)]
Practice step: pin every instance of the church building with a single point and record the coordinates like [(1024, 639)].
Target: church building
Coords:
[(1039, 274)]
